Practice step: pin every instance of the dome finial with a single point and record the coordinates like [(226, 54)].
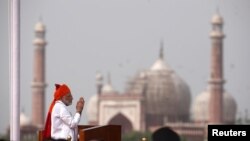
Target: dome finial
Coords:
[(109, 78), (217, 10), (246, 115), (22, 110), (161, 55), (40, 18)]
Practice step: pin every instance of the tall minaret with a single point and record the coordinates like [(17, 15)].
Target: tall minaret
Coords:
[(216, 80), (38, 84)]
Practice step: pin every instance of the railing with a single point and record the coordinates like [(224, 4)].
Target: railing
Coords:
[(95, 133), (101, 133)]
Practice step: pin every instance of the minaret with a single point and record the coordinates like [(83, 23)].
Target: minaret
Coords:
[(38, 84), (109, 79), (99, 83), (161, 55), (216, 80)]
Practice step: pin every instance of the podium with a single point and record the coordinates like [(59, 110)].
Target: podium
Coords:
[(94, 133)]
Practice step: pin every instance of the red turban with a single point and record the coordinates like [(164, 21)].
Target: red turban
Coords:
[(60, 91)]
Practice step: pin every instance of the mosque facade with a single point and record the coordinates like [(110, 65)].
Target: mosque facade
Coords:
[(158, 97)]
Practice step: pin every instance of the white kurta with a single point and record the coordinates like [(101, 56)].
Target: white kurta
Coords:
[(63, 124)]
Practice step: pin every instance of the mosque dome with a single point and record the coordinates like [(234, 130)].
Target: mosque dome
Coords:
[(24, 119), (217, 19), (160, 65), (200, 108), (108, 89), (166, 94), (92, 108)]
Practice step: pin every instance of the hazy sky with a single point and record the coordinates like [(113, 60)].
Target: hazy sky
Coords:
[(122, 37)]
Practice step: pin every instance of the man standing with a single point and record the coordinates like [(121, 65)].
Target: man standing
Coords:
[(60, 124)]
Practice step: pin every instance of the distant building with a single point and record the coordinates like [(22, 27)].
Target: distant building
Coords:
[(158, 97), (38, 84), (28, 132)]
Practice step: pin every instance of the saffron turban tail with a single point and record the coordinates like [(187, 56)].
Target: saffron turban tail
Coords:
[(60, 91)]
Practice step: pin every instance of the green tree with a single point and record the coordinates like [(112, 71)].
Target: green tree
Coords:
[(136, 136)]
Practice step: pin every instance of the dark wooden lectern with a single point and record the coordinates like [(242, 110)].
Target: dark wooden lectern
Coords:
[(95, 133)]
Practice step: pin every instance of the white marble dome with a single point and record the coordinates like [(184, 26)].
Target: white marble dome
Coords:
[(108, 89), (24, 119), (92, 108), (200, 108), (167, 95)]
